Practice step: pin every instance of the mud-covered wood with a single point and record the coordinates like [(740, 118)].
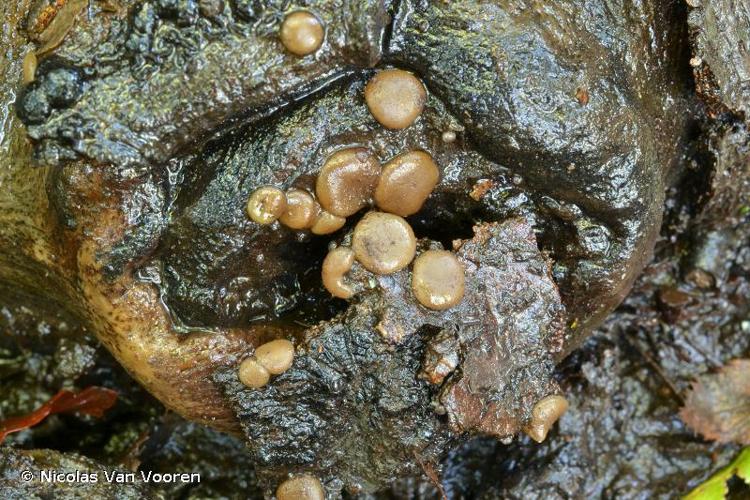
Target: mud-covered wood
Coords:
[(721, 46)]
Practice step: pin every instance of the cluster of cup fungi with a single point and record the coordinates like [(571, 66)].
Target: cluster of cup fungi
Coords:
[(382, 242)]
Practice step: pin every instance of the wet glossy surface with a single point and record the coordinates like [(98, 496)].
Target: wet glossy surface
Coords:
[(594, 199)]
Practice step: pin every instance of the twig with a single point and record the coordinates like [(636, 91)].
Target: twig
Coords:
[(429, 471), (656, 368)]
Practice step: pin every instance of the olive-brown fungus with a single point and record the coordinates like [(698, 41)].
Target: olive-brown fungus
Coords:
[(337, 263), (438, 279), (305, 487), (301, 210), (276, 356), (544, 415), (253, 374), (266, 205), (395, 98), (406, 182), (327, 223), (383, 243), (347, 180), (29, 67), (302, 33)]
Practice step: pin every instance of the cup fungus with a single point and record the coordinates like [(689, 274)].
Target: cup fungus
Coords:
[(383, 243), (271, 358), (301, 210), (253, 374), (346, 181), (304, 487), (406, 182), (395, 98), (337, 263), (438, 279), (302, 33), (544, 415), (327, 223), (276, 356), (266, 205)]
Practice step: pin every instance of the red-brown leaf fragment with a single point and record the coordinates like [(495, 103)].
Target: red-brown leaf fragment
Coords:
[(90, 401), (718, 405)]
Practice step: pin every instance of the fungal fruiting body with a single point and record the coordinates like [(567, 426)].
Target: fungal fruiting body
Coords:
[(276, 356), (301, 210), (271, 358), (337, 263), (253, 374), (304, 487), (266, 205), (327, 223), (302, 33), (544, 415), (406, 182), (350, 180), (345, 183), (438, 279), (383, 243), (395, 98)]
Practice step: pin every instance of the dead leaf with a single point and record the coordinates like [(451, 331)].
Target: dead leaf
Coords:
[(718, 406), (92, 400), (57, 30)]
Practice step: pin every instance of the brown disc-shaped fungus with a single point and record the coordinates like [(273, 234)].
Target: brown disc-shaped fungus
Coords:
[(252, 373), (304, 487), (301, 210), (395, 98), (29, 67), (276, 356), (383, 243), (337, 263), (302, 33), (438, 279), (544, 415), (327, 223), (266, 205), (347, 180), (406, 182)]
